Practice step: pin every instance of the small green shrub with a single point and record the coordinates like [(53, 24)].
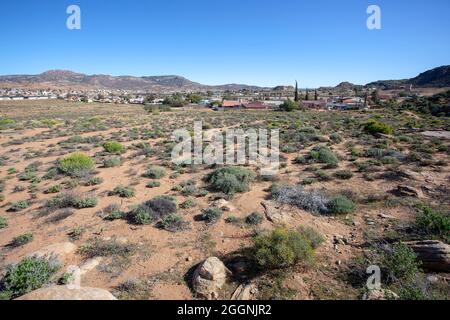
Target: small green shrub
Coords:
[(113, 147), (401, 263), (142, 215), (211, 215), (162, 206), (173, 223), (71, 200), (344, 174), (254, 219), (315, 238), (84, 202), (340, 205), (323, 155), (123, 192), (28, 275), (76, 233), (230, 180), (112, 162), (189, 203), (153, 210), (115, 215), (153, 184), (3, 223), (281, 248), (434, 224), (76, 165), (94, 182), (374, 127), (21, 240), (336, 137), (19, 206), (155, 172), (53, 189)]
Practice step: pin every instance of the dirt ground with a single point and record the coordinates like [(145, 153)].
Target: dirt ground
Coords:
[(162, 259)]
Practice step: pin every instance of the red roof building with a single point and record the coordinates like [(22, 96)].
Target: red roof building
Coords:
[(256, 106)]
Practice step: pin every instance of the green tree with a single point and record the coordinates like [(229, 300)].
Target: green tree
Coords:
[(289, 106)]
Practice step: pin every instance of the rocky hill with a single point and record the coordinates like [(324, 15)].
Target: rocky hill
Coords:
[(63, 79), (435, 78)]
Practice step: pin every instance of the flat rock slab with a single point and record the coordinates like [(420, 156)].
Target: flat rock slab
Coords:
[(275, 214), (437, 134), (69, 294)]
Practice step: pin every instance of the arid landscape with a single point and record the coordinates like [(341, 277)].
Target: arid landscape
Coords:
[(92, 185)]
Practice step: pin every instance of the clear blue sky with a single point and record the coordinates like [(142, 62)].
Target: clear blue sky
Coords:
[(263, 42)]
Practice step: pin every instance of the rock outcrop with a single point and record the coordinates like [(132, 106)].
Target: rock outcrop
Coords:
[(209, 278)]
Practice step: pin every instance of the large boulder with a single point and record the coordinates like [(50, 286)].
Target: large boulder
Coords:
[(68, 293), (209, 278), (407, 191), (275, 214), (434, 255)]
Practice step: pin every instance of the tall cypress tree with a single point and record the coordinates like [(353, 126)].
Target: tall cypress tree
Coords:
[(296, 91), (316, 97), (307, 95)]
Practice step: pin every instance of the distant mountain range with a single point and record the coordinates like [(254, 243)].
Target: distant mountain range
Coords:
[(434, 78), (62, 79)]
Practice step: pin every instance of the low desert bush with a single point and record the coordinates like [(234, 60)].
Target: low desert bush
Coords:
[(76, 165), (434, 224), (19, 206), (374, 127), (53, 189), (319, 154), (188, 203), (142, 215), (282, 248), (94, 182), (173, 223), (123, 192), (311, 201), (254, 219), (230, 180), (340, 205), (107, 248), (71, 200), (336, 137), (115, 215), (153, 210), (112, 162), (21, 240), (400, 263), (3, 223), (344, 174), (113, 147), (153, 184), (155, 172), (211, 215), (315, 238), (28, 275)]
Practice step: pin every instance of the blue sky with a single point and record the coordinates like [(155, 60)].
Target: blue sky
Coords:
[(263, 42)]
